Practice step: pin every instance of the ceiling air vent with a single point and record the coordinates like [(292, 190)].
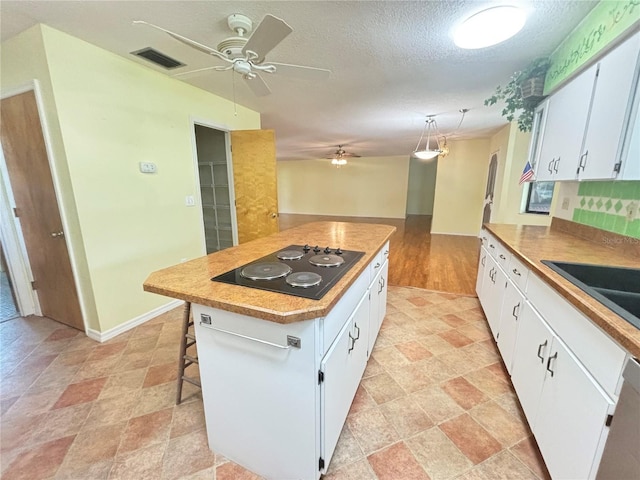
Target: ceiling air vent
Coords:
[(158, 58)]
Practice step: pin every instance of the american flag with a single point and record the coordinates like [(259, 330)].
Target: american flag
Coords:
[(527, 173)]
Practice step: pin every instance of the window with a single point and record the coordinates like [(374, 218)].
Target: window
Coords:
[(539, 197)]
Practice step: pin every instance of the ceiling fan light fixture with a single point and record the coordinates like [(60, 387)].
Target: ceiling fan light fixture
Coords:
[(339, 162), (489, 27)]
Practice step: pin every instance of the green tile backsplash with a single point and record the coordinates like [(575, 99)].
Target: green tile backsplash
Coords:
[(605, 205)]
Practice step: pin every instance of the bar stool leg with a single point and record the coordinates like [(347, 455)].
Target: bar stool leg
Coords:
[(183, 350)]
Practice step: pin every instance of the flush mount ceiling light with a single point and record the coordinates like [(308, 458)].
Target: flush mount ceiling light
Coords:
[(489, 27)]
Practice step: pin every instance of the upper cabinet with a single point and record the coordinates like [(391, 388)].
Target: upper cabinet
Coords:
[(585, 128)]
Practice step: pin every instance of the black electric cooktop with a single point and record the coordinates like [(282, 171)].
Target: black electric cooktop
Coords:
[(298, 270)]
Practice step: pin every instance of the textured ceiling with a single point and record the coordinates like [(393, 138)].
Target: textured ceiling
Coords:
[(392, 62)]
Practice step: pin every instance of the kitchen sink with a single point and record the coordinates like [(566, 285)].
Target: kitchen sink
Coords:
[(617, 288)]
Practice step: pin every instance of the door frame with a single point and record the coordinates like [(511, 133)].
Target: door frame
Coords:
[(193, 121), (17, 257)]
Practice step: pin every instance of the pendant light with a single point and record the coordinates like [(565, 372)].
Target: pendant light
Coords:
[(428, 153)]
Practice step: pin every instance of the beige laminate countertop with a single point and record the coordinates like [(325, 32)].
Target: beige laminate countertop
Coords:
[(191, 281), (531, 244)]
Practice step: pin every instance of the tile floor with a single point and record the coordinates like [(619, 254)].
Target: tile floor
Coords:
[(434, 403), (7, 306)]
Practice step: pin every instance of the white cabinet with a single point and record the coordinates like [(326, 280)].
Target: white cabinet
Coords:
[(513, 306), (566, 120), (564, 405), (481, 271), (609, 110), (581, 131), (493, 287), (378, 296), (570, 425), (342, 368), (630, 157)]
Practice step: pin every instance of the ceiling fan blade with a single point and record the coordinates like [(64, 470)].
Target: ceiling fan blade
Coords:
[(199, 70), (301, 71), (187, 41), (258, 86), (266, 36)]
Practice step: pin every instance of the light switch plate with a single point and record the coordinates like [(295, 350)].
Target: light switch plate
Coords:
[(189, 201), (148, 167)]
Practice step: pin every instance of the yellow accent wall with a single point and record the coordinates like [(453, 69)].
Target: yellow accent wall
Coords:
[(114, 113), (512, 147), (460, 187), (365, 187)]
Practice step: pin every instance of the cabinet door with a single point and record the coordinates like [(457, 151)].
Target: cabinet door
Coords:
[(495, 294), (571, 416), (488, 272), (512, 308), (608, 111), (342, 367), (533, 344), (382, 295), (537, 134), (481, 268), (567, 114)]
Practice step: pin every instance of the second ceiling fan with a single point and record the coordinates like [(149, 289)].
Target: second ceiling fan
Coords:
[(245, 55)]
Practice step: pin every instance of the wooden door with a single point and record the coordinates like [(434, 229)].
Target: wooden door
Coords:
[(37, 209), (254, 178)]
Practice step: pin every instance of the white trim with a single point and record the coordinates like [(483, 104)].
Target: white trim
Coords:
[(457, 234), (134, 322), (232, 193)]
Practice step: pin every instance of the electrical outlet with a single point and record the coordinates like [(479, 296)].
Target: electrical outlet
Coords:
[(565, 203), (182, 260), (632, 211)]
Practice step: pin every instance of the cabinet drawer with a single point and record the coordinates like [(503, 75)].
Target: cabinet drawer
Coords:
[(518, 273), (492, 245), (375, 267), (503, 256), (601, 356)]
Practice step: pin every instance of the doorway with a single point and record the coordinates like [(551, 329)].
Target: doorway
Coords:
[(421, 188), (8, 302), (491, 183), (35, 212), (215, 178)]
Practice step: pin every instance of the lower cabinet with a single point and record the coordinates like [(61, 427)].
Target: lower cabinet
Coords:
[(513, 307), (492, 294), (378, 294), (481, 266), (566, 409), (342, 367)]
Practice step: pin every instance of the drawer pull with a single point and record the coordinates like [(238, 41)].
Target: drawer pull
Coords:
[(483, 260), (291, 340), (381, 283), (355, 325), (377, 265), (555, 165), (516, 308), (386, 253), (550, 168), (555, 355), (540, 347), (353, 343), (503, 257), (492, 245), (515, 271)]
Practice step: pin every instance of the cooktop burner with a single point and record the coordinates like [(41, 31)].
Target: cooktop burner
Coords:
[(326, 260), (297, 270), (303, 279), (265, 271)]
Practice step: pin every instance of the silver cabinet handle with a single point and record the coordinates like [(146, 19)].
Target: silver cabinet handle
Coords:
[(516, 272), (555, 165), (57, 234), (291, 340), (583, 161), (516, 308), (377, 265), (503, 257), (353, 343), (386, 253), (483, 260), (550, 167)]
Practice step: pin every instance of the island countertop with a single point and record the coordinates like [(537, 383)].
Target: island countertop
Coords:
[(191, 281), (531, 244)]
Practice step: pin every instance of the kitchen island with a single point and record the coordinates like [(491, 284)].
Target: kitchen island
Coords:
[(279, 372)]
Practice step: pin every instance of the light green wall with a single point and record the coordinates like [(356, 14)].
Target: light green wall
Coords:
[(512, 148), (365, 187), (607, 21), (114, 113), (23, 59), (460, 187), (421, 186)]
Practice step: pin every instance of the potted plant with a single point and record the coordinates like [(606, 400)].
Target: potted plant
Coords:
[(523, 93)]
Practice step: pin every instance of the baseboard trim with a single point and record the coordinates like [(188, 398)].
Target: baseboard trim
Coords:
[(134, 322), (456, 234)]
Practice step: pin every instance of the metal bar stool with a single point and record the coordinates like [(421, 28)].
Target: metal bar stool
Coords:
[(187, 340)]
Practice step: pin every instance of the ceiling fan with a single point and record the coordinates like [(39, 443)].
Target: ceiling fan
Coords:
[(339, 157), (245, 55)]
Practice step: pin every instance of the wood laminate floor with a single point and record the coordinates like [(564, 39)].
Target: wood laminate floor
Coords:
[(446, 263)]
